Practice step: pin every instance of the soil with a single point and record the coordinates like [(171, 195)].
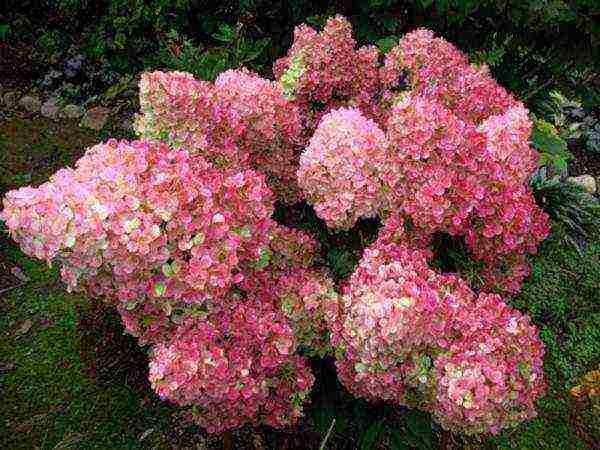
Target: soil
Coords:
[(584, 163), (16, 67)]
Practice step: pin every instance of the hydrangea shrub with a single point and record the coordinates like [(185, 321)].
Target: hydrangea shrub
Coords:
[(175, 231)]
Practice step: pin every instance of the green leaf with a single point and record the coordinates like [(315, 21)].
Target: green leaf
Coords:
[(553, 148), (120, 41), (372, 436), (386, 44), (265, 257), (225, 33), (256, 49), (360, 367), (243, 232), (4, 31), (119, 87), (167, 270), (198, 239), (160, 289), (148, 320), (130, 305), (443, 6), (417, 433), (545, 138)]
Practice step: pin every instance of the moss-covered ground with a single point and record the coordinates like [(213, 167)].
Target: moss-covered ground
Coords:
[(69, 378)]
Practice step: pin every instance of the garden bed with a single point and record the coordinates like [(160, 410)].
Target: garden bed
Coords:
[(71, 378)]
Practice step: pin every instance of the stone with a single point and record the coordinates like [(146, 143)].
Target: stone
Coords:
[(30, 103), (587, 182), (95, 118), (50, 109), (51, 77), (75, 63), (72, 111), (24, 327)]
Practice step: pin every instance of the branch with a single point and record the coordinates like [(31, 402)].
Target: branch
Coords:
[(322, 447)]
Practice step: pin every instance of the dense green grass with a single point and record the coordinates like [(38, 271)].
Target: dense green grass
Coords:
[(70, 379)]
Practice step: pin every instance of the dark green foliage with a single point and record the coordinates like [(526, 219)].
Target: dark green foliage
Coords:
[(551, 146), (371, 436), (4, 31), (180, 53), (591, 133), (417, 433), (125, 33), (235, 50), (451, 255), (574, 120), (546, 16), (340, 251), (129, 29), (569, 206)]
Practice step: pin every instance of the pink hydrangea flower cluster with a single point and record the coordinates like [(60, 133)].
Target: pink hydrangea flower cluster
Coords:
[(136, 221), (439, 71), (324, 68), (304, 295), (345, 171), (491, 376), (240, 120), (234, 366), (470, 181), (288, 280), (408, 335), (292, 247)]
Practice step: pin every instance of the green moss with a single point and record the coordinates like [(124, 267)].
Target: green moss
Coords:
[(34, 149), (47, 396)]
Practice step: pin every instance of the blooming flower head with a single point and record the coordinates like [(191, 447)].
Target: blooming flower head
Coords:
[(241, 120), (324, 68), (138, 220), (408, 335), (345, 171), (234, 366)]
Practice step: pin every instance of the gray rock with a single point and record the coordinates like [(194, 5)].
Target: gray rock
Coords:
[(50, 108), (30, 103), (51, 77), (72, 111), (587, 182)]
